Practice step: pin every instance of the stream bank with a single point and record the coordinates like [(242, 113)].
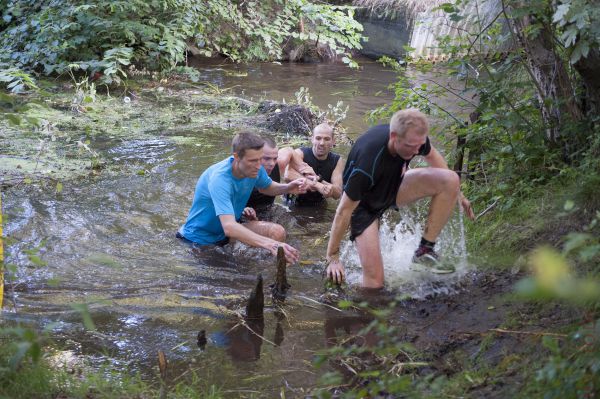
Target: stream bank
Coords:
[(106, 242)]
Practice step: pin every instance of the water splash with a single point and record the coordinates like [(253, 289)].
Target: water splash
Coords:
[(399, 235)]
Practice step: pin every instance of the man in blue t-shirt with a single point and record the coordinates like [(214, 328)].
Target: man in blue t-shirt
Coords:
[(376, 177), (220, 200)]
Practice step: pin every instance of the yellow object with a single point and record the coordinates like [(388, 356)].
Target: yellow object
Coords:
[(1, 257)]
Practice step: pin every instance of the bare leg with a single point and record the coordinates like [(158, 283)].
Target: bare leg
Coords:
[(442, 185), (369, 252), (267, 229)]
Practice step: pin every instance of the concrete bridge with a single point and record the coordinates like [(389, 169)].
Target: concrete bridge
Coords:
[(393, 28)]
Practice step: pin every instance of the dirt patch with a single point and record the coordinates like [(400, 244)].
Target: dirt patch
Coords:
[(481, 328)]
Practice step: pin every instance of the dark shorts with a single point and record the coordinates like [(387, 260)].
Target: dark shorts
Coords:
[(361, 219), (219, 243)]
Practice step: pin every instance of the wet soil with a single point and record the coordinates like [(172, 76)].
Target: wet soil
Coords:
[(484, 326)]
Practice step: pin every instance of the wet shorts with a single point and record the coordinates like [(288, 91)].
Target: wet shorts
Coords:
[(361, 219), (219, 243)]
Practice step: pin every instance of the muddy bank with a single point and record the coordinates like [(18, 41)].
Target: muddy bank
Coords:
[(479, 342)]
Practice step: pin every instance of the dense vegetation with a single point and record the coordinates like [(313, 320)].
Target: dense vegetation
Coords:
[(530, 152), (533, 135), (109, 37)]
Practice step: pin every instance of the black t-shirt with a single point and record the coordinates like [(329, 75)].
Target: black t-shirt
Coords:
[(259, 200), (323, 168), (372, 175)]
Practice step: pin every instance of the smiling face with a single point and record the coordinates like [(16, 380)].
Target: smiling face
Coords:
[(250, 163), (322, 141), (269, 158)]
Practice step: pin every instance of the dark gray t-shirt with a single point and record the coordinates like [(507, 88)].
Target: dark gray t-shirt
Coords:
[(372, 175)]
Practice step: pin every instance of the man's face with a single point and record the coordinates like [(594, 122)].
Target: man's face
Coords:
[(322, 142), (269, 158), (249, 164), (408, 146)]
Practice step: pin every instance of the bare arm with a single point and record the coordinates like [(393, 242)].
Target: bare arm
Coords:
[(297, 186), (435, 159), (341, 222), (291, 164), (333, 189), (237, 231)]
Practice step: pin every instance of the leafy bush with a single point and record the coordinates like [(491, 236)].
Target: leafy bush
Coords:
[(108, 35)]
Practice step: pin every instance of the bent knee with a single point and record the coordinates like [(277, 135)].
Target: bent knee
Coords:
[(278, 232), (447, 180)]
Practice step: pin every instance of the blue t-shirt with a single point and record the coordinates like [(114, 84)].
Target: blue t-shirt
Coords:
[(219, 192)]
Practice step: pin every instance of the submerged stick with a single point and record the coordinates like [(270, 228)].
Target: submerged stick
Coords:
[(256, 302), (280, 287)]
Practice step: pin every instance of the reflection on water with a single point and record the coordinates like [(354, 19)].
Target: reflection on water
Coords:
[(362, 89), (109, 242)]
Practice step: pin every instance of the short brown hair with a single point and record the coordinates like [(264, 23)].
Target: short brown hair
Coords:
[(246, 141), (270, 142), (406, 119)]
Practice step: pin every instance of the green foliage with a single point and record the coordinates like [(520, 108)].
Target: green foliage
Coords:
[(15, 80), (508, 151), (575, 372), (578, 21), (110, 35), (369, 362)]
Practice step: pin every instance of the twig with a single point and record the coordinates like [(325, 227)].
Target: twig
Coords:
[(320, 303), (257, 334), (486, 210), (503, 331)]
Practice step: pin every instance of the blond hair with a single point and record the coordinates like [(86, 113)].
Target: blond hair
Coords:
[(406, 119)]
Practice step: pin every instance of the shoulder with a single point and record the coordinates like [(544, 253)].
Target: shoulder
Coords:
[(221, 172), (371, 142)]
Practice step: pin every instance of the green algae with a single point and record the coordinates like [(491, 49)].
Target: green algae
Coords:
[(66, 134)]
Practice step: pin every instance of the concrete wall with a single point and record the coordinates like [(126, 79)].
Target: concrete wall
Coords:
[(387, 34)]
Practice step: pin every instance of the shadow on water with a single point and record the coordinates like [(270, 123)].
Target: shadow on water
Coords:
[(109, 242)]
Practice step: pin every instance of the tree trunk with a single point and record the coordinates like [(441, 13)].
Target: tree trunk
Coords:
[(589, 69), (554, 86)]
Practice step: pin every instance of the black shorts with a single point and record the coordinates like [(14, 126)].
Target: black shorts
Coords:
[(361, 219), (219, 243)]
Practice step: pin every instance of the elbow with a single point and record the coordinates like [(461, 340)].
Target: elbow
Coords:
[(229, 230)]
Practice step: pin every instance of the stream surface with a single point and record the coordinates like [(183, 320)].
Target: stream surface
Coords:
[(108, 242)]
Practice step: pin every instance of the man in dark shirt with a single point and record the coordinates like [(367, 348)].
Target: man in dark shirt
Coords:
[(259, 201), (325, 172), (273, 164), (376, 177)]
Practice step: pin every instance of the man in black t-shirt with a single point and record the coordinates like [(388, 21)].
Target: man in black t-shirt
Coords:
[(325, 172), (376, 177), (259, 201), (258, 204)]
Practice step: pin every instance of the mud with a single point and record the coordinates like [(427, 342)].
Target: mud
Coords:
[(483, 326)]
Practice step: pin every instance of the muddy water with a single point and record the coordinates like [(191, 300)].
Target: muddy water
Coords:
[(108, 243)]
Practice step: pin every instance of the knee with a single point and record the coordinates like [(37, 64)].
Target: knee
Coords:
[(451, 181), (278, 232)]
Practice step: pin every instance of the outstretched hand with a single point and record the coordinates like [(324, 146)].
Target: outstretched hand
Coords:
[(307, 171), (298, 186), (249, 213), (467, 207), (292, 255), (335, 271), (325, 189)]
